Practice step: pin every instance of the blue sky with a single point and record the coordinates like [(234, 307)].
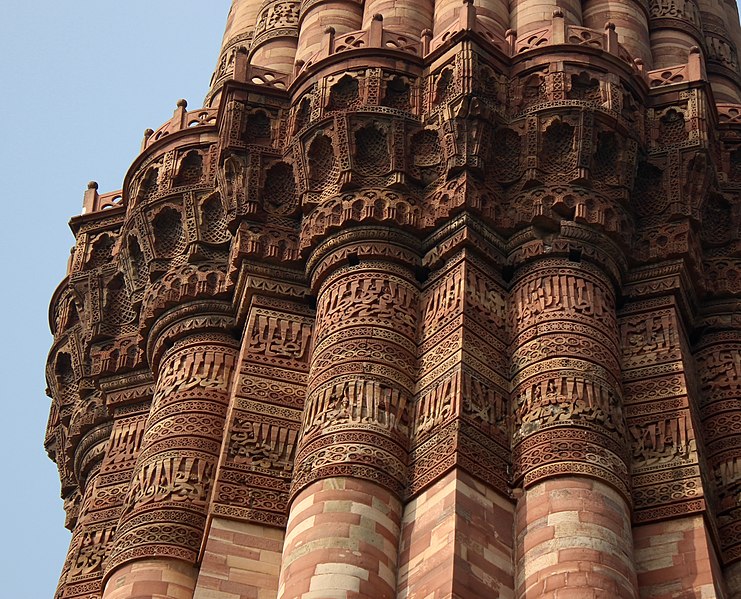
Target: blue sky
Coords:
[(81, 81)]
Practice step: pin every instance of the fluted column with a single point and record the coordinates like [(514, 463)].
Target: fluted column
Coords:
[(459, 519), (675, 27), (569, 433), (492, 13), (631, 23), (721, 53), (91, 535), (718, 358), (161, 527), (241, 20), (318, 15), (530, 15), (732, 25), (343, 529), (275, 36), (408, 17), (249, 503), (240, 26)]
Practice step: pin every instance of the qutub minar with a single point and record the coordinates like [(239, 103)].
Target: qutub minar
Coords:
[(430, 300)]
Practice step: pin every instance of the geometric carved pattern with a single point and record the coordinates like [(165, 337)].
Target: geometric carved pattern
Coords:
[(662, 430), (554, 398), (262, 433), (558, 148), (398, 258), (175, 471), (719, 369)]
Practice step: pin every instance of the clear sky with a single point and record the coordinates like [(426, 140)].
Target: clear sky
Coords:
[(79, 81)]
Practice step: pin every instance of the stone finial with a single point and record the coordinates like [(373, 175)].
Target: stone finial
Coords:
[(695, 66), (426, 37), (558, 27), (180, 115), (329, 33), (511, 36), (611, 39), (147, 135), (467, 16), (90, 198), (241, 63), (375, 32)]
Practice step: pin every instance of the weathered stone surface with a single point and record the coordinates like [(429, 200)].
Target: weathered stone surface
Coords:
[(432, 299)]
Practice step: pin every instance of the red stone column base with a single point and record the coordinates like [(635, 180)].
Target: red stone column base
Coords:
[(242, 559), (676, 558), (341, 542), (457, 541), (152, 579), (574, 540)]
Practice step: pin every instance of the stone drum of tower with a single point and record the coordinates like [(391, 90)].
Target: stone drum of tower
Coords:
[(432, 299)]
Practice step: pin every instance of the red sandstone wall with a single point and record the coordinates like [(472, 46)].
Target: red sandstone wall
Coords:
[(480, 263), (676, 559), (241, 560)]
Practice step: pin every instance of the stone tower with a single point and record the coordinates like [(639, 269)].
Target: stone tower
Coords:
[(431, 300)]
